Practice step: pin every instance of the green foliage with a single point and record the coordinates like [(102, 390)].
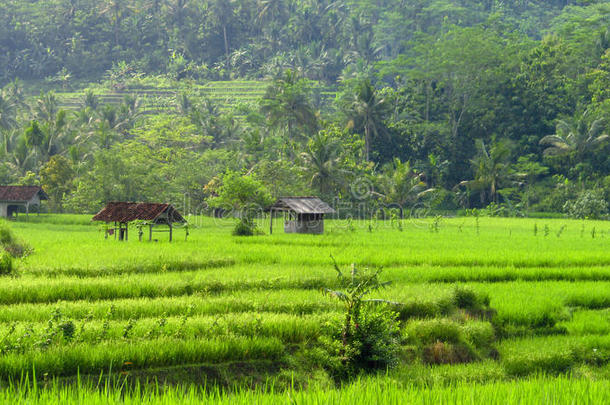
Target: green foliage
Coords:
[(242, 194), (56, 177), (11, 245), (6, 263), (589, 204), (245, 227), (369, 337)]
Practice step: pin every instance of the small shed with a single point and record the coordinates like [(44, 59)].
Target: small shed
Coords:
[(151, 215), (302, 214), (14, 198)]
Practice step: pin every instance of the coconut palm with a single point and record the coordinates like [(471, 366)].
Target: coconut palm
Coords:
[(578, 139), (402, 185), (223, 12), (492, 170), (7, 113), (322, 158), (370, 110), (286, 104)]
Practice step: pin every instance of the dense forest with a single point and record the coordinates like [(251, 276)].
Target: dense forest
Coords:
[(448, 104)]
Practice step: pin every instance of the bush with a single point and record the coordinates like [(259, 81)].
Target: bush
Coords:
[(243, 228), (246, 227), (590, 204), (448, 353), (369, 338), (428, 332), (443, 341), (6, 263), (11, 244), (468, 300), (6, 235), (375, 340), (372, 344)]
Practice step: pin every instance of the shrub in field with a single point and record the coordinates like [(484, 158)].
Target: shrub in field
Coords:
[(6, 235), (477, 305), (443, 341), (369, 338), (242, 194), (6, 263), (372, 342), (245, 227), (447, 353), (10, 243)]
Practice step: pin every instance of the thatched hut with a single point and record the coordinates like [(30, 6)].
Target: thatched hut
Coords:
[(151, 215), (302, 214)]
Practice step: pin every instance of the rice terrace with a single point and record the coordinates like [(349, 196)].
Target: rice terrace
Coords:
[(489, 309), (304, 202)]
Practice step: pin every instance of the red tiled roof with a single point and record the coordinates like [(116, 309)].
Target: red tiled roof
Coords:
[(20, 193), (131, 211)]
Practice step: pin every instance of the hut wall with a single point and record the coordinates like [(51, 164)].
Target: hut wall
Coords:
[(3, 210), (305, 224)]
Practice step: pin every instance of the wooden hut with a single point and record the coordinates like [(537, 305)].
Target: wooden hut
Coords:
[(302, 214), (151, 214), (16, 198)]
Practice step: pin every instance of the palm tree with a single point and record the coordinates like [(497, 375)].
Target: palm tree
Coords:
[(492, 170), (223, 11), (178, 9), (286, 104), (116, 12), (370, 110), (402, 185), (577, 140), (7, 113), (22, 157), (47, 107), (322, 158)]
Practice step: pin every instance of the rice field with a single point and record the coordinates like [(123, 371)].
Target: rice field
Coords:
[(157, 98), (224, 319)]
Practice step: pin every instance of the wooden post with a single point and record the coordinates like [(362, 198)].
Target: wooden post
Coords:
[(271, 222), (150, 232), (27, 211), (170, 231)]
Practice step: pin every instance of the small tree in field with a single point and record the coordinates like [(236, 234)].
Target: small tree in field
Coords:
[(56, 178), (244, 195), (369, 336)]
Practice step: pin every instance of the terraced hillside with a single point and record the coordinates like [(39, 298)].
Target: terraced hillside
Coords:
[(155, 99), (227, 310)]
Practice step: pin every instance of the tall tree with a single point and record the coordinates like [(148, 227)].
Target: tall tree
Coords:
[(492, 170), (323, 157), (578, 139), (287, 105), (367, 110)]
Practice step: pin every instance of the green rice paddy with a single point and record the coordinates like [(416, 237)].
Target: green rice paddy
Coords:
[(224, 319)]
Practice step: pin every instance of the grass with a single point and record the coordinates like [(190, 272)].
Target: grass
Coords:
[(537, 390), (217, 303)]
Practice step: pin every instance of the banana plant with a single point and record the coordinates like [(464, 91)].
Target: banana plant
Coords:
[(357, 285)]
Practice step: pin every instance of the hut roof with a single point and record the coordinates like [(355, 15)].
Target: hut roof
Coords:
[(303, 205), (21, 193), (131, 211)]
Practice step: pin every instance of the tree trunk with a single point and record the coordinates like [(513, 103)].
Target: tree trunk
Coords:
[(224, 34), (367, 141)]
